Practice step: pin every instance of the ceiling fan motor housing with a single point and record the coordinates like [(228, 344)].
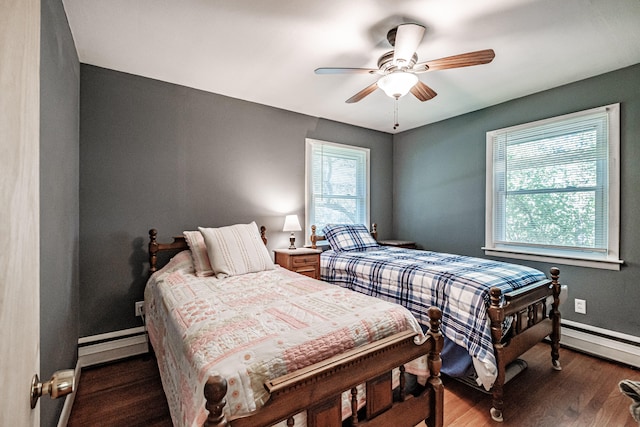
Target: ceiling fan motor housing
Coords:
[(385, 63)]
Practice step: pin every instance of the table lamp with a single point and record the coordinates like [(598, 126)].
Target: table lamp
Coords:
[(291, 224)]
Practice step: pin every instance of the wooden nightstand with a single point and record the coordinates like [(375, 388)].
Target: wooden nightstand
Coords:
[(301, 260), (398, 243)]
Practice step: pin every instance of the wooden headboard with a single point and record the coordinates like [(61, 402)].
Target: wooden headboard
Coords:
[(179, 244), (316, 238)]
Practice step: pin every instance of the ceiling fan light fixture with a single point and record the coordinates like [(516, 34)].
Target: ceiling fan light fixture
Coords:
[(398, 83)]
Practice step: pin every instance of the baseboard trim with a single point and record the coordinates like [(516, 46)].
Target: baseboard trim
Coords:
[(601, 342), (103, 348), (70, 399)]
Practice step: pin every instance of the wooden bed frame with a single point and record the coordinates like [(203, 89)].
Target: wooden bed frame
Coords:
[(317, 388), (532, 323)]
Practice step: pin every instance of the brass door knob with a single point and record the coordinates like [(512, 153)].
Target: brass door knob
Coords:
[(61, 383)]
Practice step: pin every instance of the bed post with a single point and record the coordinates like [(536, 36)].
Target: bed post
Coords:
[(555, 318), (314, 238), (153, 251), (434, 363), (496, 314), (263, 231), (374, 231), (215, 391)]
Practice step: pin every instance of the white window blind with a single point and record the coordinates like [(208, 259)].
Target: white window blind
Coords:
[(337, 184), (550, 186)]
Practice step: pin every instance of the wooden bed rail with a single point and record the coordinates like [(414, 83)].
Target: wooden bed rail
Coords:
[(317, 389)]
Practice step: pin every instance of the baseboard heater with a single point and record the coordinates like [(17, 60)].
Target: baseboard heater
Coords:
[(600, 342), (588, 339), (96, 349)]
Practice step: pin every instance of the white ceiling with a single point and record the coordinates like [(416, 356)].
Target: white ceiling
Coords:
[(265, 51)]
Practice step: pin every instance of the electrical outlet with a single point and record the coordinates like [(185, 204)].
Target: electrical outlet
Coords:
[(580, 306), (140, 308)]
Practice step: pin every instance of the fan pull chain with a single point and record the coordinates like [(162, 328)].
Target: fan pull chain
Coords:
[(395, 114)]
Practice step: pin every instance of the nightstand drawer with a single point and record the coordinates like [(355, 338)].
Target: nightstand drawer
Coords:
[(304, 260), (307, 271)]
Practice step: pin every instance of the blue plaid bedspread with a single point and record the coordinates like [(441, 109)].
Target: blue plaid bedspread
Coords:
[(458, 285)]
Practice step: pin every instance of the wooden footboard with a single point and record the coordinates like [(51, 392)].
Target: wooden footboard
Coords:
[(532, 322), (317, 389)]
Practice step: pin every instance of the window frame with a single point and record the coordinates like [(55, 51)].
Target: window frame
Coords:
[(608, 259), (309, 144)]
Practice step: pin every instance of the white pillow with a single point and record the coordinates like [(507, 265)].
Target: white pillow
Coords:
[(199, 254), (236, 249)]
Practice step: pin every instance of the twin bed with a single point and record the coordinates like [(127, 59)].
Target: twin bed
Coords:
[(243, 342), (492, 312)]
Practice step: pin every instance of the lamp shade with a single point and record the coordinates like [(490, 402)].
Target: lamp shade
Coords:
[(398, 83), (291, 223)]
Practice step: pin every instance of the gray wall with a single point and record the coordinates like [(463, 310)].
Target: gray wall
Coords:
[(59, 200), (153, 154), (439, 189)]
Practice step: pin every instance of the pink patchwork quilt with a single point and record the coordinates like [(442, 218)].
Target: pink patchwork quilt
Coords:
[(252, 328)]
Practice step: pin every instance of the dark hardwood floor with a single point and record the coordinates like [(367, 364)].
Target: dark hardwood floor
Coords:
[(584, 393), (125, 393)]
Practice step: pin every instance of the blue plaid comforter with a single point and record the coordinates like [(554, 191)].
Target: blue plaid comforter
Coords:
[(458, 285)]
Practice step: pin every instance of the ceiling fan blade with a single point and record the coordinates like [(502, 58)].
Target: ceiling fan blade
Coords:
[(346, 71), (364, 92), (456, 61), (423, 92), (408, 37)]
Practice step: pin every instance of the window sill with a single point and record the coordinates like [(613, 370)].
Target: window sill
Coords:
[(605, 264)]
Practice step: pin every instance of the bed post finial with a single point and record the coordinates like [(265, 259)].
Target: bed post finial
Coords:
[(435, 318), (313, 237), (263, 231), (374, 230), (495, 314), (215, 391), (153, 251)]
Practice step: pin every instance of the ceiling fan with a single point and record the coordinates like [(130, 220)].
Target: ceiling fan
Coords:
[(398, 68)]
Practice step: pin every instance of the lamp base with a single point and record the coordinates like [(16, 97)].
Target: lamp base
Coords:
[(292, 241)]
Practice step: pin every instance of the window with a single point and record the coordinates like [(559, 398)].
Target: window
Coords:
[(337, 184), (553, 189)]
